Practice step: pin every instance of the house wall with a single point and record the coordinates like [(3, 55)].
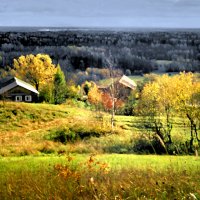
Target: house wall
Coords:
[(20, 92), (120, 91)]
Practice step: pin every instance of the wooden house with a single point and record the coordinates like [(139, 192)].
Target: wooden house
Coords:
[(15, 89), (127, 82), (122, 87)]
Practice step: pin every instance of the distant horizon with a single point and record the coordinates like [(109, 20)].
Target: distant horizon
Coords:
[(122, 28)]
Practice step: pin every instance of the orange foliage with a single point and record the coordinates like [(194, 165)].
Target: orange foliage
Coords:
[(107, 101)]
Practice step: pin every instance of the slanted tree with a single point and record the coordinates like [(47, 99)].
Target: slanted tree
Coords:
[(188, 103), (148, 108), (166, 97), (38, 69), (157, 105)]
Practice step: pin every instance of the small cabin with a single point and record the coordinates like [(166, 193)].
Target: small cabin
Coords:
[(122, 87), (15, 89)]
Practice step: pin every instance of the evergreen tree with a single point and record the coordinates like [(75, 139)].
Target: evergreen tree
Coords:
[(59, 86)]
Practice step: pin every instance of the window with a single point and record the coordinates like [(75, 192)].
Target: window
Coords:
[(18, 98), (28, 98)]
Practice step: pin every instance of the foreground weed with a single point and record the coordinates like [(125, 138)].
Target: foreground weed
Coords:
[(81, 176)]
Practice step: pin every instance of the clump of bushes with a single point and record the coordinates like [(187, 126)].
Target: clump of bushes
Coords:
[(153, 146), (143, 146), (63, 135), (71, 134)]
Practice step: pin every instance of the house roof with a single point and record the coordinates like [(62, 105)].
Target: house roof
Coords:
[(126, 81), (17, 82)]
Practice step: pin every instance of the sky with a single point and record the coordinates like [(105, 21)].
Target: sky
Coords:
[(101, 13)]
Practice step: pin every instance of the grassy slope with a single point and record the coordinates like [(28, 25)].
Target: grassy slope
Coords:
[(25, 129), (25, 117)]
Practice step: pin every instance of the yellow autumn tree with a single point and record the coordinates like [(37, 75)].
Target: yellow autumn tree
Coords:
[(38, 69), (167, 97), (150, 108), (95, 96), (188, 103)]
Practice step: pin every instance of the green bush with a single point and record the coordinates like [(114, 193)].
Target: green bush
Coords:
[(74, 133), (83, 132), (143, 146), (118, 148), (63, 135)]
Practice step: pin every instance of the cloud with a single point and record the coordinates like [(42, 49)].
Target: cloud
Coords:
[(99, 12)]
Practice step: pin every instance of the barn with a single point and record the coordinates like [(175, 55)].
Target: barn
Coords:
[(15, 89), (122, 87)]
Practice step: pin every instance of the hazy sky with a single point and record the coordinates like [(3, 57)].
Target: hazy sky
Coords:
[(103, 13)]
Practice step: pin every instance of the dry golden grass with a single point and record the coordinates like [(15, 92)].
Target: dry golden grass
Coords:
[(95, 179), (24, 127)]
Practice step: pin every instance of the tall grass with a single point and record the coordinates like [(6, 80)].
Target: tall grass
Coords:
[(100, 177)]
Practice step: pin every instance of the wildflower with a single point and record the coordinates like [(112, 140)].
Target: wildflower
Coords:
[(91, 180), (69, 158), (122, 188), (91, 160), (193, 196)]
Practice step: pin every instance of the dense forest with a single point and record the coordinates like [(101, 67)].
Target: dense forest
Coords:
[(137, 52)]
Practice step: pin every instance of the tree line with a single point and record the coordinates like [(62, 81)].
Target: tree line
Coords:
[(144, 51)]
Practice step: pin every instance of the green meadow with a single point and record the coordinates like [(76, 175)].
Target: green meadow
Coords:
[(107, 176)]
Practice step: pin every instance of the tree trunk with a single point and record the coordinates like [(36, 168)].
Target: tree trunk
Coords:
[(113, 104), (162, 143), (113, 115), (191, 133), (160, 137), (169, 127), (191, 140)]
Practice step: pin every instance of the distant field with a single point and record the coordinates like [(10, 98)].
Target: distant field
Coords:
[(106, 82), (137, 78), (163, 62)]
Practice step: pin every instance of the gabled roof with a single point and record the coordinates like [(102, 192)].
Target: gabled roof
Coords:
[(126, 81), (17, 82)]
